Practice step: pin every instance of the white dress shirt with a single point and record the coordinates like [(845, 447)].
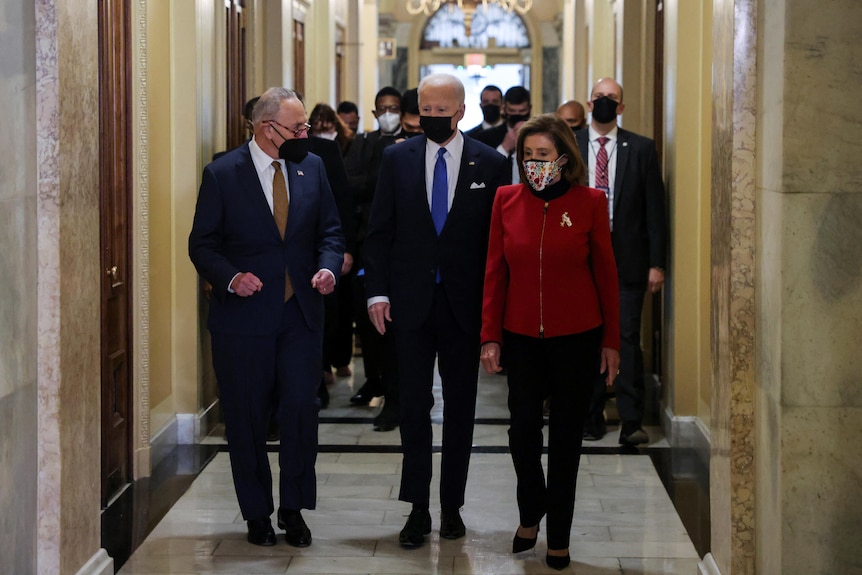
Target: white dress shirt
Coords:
[(611, 148)]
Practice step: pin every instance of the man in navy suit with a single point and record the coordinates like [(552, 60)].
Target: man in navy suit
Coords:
[(425, 260), (266, 235), (632, 181)]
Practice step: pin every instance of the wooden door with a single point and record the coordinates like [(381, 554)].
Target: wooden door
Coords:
[(115, 194), (236, 88), (299, 56)]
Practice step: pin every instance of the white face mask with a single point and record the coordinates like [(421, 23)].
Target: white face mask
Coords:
[(327, 135), (389, 122), (541, 173)]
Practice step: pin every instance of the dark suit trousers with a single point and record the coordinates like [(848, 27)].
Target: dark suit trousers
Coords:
[(629, 384), (457, 356), (564, 369), (250, 371), (338, 327)]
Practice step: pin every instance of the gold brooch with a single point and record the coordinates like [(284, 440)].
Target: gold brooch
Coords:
[(565, 221)]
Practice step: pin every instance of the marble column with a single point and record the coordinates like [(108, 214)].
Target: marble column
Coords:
[(67, 290), (733, 224)]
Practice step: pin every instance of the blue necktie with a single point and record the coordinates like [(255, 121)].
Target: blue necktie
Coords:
[(440, 192)]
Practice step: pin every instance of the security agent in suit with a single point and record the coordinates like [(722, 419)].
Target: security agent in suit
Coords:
[(491, 102), (639, 234), (424, 257), (266, 235), (504, 138)]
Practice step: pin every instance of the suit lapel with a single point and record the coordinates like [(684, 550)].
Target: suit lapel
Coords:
[(251, 185), (622, 160)]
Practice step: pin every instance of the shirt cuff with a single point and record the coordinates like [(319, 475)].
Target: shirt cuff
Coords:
[(377, 299), (230, 289), (329, 272)]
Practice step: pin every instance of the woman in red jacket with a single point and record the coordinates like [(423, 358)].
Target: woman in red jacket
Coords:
[(551, 305)]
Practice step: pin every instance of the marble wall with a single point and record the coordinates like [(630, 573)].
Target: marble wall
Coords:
[(18, 357), (809, 214), (67, 315)]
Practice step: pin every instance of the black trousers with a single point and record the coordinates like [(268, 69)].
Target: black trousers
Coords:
[(457, 355), (338, 327), (378, 351), (629, 384), (250, 370), (564, 369)]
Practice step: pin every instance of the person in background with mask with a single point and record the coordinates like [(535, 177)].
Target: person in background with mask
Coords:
[(269, 274), (517, 108), (349, 114), (551, 306), (363, 164), (572, 112), (625, 167), (424, 259), (325, 123), (491, 102), (410, 114)]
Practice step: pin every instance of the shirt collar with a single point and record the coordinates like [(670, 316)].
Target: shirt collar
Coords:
[(594, 136), (261, 159), (454, 147)]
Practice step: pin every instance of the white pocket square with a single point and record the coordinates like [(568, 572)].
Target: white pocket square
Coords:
[(477, 186)]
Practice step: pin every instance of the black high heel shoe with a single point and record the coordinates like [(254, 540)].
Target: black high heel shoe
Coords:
[(558, 562), (524, 543)]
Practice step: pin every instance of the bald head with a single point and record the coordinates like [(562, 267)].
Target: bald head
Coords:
[(606, 103), (573, 113)]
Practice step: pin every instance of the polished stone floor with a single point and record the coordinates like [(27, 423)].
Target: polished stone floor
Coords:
[(625, 520)]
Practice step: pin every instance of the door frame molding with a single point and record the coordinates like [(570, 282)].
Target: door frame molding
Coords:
[(139, 290)]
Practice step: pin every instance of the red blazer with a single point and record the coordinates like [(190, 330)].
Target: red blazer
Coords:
[(550, 269)]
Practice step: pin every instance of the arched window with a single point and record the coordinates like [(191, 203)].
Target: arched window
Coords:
[(490, 28)]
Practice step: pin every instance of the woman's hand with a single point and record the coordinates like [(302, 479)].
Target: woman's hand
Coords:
[(610, 364), (490, 357)]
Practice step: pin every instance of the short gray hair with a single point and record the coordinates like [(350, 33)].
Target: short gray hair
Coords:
[(442, 79), (270, 102)]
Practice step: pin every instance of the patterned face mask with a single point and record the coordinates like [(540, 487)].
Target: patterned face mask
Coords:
[(541, 173)]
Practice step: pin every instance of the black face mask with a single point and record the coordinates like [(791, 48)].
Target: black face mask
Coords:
[(437, 128), (604, 110), (491, 113), (578, 127), (513, 119), (293, 150)]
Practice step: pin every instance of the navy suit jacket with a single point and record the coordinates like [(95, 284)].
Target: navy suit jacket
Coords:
[(402, 249), (493, 136), (640, 215), (234, 231)]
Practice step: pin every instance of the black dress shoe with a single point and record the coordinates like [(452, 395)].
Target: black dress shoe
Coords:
[(260, 532), (632, 434), (451, 525), (558, 562), (595, 427), (296, 532), (387, 419), (323, 395), (417, 527), (369, 390), (523, 543)]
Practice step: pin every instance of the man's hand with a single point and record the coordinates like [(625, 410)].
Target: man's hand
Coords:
[(656, 279), (323, 282), (378, 313), (246, 284), (510, 141), (347, 265)]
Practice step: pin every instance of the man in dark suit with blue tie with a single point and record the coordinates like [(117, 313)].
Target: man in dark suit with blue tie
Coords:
[(266, 235), (425, 260), (625, 166)]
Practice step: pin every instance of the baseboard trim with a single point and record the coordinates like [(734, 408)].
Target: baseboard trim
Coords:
[(708, 566), (99, 564), (686, 432), (208, 419)]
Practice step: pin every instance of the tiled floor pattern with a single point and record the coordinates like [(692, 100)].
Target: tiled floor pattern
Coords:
[(624, 521)]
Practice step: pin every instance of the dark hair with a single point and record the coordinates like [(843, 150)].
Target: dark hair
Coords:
[(410, 102), (248, 109), (387, 91), (347, 107), (491, 88), (324, 113), (517, 95), (554, 127)]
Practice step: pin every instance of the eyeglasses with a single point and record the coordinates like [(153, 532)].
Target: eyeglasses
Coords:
[(395, 109), (297, 130)]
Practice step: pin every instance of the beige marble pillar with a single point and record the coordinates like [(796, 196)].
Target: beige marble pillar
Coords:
[(67, 210), (734, 88)]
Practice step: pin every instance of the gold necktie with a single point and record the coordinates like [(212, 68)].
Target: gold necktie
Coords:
[(280, 207)]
